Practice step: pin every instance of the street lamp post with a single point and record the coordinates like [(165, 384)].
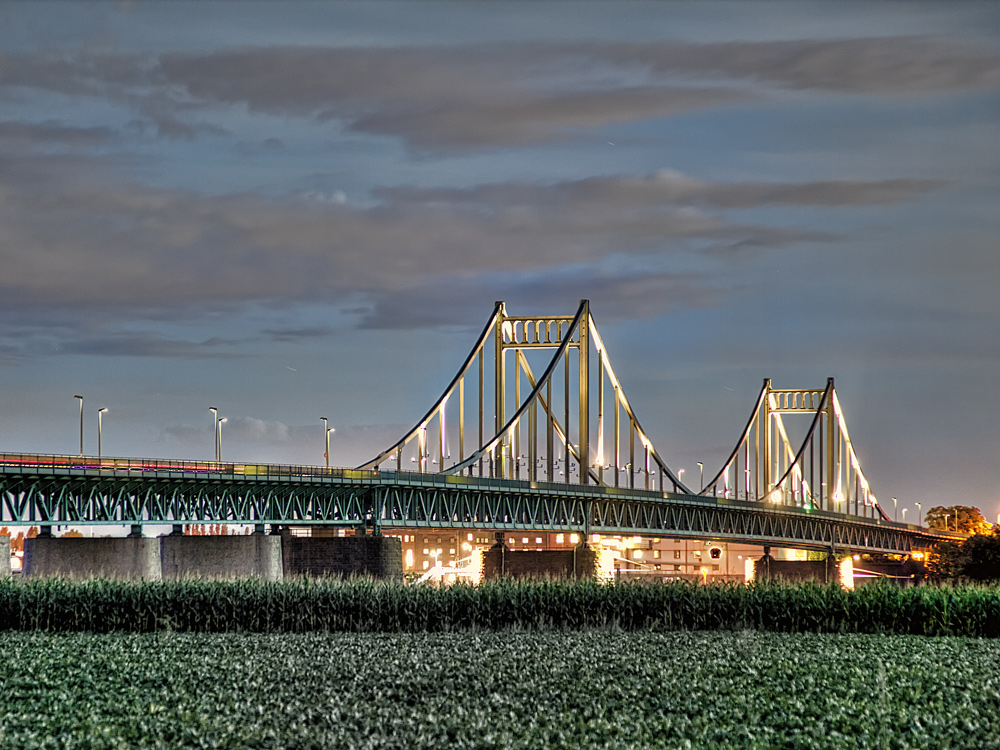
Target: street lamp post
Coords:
[(81, 424), (100, 413), (946, 521), (215, 433), (895, 516), (701, 476), (326, 434), (680, 475), (220, 439), (904, 515)]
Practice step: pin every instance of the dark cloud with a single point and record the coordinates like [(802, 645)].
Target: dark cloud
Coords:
[(500, 95), (671, 188), (537, 118), (624, 295), (88, 241), (17, 135), (892, 65), (146, 344), (76, 241), (295, 335), (495, 95)]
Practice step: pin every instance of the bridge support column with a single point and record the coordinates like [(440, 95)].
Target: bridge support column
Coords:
[(221, 557), (368, 556), (769, 569), (500, 562), (108, 557)]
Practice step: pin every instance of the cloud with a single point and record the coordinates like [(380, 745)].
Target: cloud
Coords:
[(534, 118), (257, 430), (631, 294), (81, 237), (450, 97), (19, 135), (270, 441), (295, 335), (238, 429), (667, 187), (892, 65), (145, 344)]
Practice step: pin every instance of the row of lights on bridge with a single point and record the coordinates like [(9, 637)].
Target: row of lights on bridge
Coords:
[(219, 421), (327, 431)]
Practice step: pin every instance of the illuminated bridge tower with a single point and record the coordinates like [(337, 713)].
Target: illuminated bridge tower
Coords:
[(572, 422), (820, 473)]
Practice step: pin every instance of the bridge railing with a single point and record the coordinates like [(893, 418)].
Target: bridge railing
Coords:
[(59, 464), (15, 461)]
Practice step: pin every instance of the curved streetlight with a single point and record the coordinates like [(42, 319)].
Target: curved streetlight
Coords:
[(919, 522), (221, 421), (894, 516), (215, 433), (326, 433), (701, 476), (100, 413), (81, 424)]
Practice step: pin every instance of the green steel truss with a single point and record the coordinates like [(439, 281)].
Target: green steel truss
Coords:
[(59, 491)]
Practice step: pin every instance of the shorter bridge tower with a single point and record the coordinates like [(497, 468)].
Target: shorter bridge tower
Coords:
[(822, 473)]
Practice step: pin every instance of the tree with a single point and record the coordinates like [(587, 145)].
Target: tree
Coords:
[(962, 518), (945, 560), (980, 556)]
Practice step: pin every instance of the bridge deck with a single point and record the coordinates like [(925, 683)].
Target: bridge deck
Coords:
[(50, 490)]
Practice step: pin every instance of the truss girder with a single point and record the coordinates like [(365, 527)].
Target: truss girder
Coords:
[(417, 500)]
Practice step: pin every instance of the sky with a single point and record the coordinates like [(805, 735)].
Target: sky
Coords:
[(295, 210)]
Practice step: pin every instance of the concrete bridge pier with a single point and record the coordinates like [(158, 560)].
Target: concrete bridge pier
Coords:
[(823, 571), (499, 561), (221, 557), (321, 555), (109, 557)]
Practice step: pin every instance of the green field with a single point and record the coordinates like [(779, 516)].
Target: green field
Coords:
[(480, 689)]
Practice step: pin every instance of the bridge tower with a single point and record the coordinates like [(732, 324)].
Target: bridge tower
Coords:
[(822, 473), (570, 423)]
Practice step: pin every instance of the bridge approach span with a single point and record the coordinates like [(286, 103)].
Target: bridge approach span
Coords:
[(51, 490)]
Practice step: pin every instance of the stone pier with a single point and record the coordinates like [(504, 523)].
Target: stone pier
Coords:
[(267, 557), (221, 557), (500, 562), (375, 556), (769, 569), (108, 557)]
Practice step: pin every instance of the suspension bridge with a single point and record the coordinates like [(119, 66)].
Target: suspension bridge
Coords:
[(504, 448)]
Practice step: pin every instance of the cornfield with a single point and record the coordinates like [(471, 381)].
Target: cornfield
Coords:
[(364, 605)]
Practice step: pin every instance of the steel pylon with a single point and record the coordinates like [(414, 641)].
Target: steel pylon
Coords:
[(572, 423)]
